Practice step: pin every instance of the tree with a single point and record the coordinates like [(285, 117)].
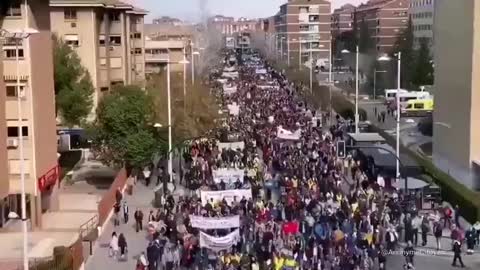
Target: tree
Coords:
[(423, 66), (192, 115), (404, 44), (365, 43), (73, 85), (123, 132)]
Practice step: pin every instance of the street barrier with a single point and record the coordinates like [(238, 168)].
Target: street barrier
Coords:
[(105, 206)]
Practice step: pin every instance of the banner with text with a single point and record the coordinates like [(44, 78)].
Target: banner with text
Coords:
[(229, 195), (288, 135), (228, 176), (210, 223), (219, 243), (231, 145)]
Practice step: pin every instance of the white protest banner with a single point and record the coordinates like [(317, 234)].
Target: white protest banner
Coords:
[(234, 109), (229, 89), (231, 145), (261, 71), (288, 135), (263, 87), (233, 74), (228, 176), (229, 195), (219, 243), (210, 223), (220, 80)]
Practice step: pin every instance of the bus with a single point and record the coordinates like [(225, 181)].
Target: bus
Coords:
[(405, 97), (418, 107), (391, 94)]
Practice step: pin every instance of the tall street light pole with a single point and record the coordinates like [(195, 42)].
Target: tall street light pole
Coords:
[(399, 65), (311, 67), (300, 44), (20, 37), (330, 79), (169, 112), (357, 117)]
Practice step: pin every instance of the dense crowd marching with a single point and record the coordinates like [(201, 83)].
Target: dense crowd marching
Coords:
[(269, 191)]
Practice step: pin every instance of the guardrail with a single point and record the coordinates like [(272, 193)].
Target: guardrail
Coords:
[(88, 226)]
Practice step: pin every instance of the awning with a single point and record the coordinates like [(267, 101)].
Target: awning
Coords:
[(70, 37), (413, 183)]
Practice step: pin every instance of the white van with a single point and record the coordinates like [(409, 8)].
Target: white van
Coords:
[(391, 95)]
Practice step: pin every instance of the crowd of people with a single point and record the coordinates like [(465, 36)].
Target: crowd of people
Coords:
[(269, 191)]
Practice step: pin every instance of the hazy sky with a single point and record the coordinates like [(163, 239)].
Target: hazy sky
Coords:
[(190, 9)]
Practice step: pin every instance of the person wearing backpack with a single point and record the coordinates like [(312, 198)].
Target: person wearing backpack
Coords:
[(437, 232)]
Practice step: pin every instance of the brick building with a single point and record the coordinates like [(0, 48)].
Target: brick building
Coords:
[(229, 26), (301, 27), (342, 19), (386, 19)]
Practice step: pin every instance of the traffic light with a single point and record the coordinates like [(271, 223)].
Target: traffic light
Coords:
[(341, 149)]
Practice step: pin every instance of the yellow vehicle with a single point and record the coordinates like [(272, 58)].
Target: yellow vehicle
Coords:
[(418, 107)]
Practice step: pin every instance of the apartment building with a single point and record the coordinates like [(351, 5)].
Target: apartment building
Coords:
[(37, 119), (386, 19), (342, 19), (166, 42), (301, 27), (456, 147), (229, 26), (422, 14), (108, 36)]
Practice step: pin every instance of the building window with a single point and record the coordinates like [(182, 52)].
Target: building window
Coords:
[(137, 35), (13, 131), (114, 17), (71, 40), (103, 89), (304, 27), (137, 51), (103, 62), (115, 40), (14, 10), (12, 53), (70, 14), (313, 18), (12, 90), (101, 40), (304, 9)]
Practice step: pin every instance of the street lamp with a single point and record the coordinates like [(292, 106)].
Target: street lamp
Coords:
[(169, 108), (399, 65), (357, 117), (17, 36)]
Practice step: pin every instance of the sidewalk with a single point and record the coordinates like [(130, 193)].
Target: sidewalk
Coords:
[(137, 242)]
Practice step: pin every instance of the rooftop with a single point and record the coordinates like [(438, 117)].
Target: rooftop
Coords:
[(111, 4), (366, 137), (153, 30)]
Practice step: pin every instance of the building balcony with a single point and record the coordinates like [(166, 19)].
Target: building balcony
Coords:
[(157, 58)]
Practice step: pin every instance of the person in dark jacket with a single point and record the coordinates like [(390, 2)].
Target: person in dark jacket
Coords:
[(408, 253), (138, 215), (457, 253), (122, 244)]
